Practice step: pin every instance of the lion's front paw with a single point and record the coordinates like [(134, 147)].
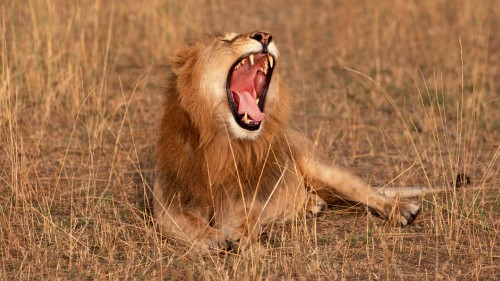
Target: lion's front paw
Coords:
[(245, 243), (246, 248), (402, 213), (407, 213), (214, 240)]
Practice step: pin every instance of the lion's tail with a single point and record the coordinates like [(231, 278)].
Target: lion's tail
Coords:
[(411, 191), (462, 180)]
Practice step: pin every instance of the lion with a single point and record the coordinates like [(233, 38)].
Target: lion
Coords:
[(228, 161)]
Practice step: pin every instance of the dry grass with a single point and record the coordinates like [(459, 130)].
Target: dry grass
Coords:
[(405, 92)]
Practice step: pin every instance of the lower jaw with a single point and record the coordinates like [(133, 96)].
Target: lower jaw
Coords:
[(249, 127), (241, 133)]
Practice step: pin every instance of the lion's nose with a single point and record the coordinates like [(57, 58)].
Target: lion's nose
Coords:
[(264, 38)]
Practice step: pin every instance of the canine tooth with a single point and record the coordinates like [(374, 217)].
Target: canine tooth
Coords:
[(257, 101), (251, 59), (271, 60), (245, 118)]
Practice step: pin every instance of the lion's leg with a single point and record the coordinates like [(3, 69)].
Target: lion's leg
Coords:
[(242, 222), (314, 205), (347, 185), (241, 226), (291, 199), (192, 226)]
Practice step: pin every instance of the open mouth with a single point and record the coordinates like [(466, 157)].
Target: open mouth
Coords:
[(247, 84)]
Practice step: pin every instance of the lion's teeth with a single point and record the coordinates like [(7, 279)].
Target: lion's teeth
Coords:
[(251, 59), (245, 118), (257, 101), (271, 60), (241, 63)]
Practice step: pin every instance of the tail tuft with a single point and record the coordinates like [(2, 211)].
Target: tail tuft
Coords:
[(462, 180)]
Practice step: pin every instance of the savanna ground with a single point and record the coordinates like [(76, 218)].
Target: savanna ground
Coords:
[(403, 92)]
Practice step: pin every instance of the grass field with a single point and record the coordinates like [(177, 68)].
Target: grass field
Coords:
[(402, 92)]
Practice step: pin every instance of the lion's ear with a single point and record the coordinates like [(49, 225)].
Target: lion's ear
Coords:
[(181, 58)]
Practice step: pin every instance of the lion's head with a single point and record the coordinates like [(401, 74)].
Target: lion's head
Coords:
[(234, 74)]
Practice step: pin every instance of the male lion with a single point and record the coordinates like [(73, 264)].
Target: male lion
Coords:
[(227, 159)]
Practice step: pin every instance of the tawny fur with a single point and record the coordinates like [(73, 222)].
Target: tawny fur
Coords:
[(217, 183)]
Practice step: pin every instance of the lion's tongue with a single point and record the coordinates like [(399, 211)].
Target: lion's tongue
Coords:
[(247, 104), (246, 82)]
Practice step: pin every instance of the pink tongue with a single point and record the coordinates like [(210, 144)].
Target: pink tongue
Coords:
[(249, 105)]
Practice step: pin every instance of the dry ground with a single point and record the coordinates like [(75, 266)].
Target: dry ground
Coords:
[(403, 92)]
